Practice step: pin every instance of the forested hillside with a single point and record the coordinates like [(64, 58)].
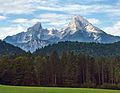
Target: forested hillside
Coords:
[(93, 49), (8, 49)]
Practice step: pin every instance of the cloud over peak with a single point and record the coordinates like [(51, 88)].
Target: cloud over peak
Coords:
[(57, 13)]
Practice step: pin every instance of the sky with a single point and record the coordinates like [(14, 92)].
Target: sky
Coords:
[(17, 15)]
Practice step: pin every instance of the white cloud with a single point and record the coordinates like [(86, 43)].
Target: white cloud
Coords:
[(2, 17), (68, 8), (19, 25), (53, 16), (20, 20), (60, 20), (11, 30), (26, 22), (94, 21), (114, 30), (29, 6), (72, 8), (15, 6), (52, 19), (55, 20), (22, 6)]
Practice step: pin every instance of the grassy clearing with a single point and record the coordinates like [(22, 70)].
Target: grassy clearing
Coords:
[(17, 89)]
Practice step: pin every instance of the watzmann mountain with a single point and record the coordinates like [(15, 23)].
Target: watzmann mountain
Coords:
[(35, 37), (79, 29)]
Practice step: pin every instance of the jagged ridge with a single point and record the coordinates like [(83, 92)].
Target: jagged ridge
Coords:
[(79, 29)]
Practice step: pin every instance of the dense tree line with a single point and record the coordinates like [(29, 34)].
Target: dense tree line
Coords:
[(91, 48), (67, 70), (6, 48)]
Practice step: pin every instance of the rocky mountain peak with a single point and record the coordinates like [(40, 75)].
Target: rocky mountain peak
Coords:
[(36, 27), (79, 29), (78, 23)]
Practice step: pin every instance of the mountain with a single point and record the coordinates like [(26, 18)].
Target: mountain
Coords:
[(35, 37), (79, 29), (90, 48), (9, 49)]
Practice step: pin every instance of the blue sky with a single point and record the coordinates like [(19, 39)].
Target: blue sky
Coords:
[(17, 15)]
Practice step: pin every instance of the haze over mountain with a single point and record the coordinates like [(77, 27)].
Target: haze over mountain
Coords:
[(79, 29)]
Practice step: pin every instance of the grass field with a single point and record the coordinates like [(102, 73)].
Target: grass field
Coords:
[(16, 89)]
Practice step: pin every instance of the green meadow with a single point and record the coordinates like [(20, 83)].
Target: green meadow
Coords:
[(17, 89)]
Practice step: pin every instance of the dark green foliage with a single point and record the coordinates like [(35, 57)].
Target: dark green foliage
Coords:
[(69, 70), (64, 68), (93, 49), (8, 49), (17, 71)]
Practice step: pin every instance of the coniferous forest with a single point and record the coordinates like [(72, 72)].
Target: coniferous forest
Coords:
[(65, 69)]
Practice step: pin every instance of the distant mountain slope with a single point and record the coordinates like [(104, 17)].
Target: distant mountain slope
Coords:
[(8, 49), (79, 29), (94, 49)]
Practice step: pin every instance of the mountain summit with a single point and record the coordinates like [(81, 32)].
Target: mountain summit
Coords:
[(35, 37), (79, 29), (79, 23), (36, 27)]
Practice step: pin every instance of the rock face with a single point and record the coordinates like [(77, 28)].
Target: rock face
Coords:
[(79, 29), (35, 37)]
